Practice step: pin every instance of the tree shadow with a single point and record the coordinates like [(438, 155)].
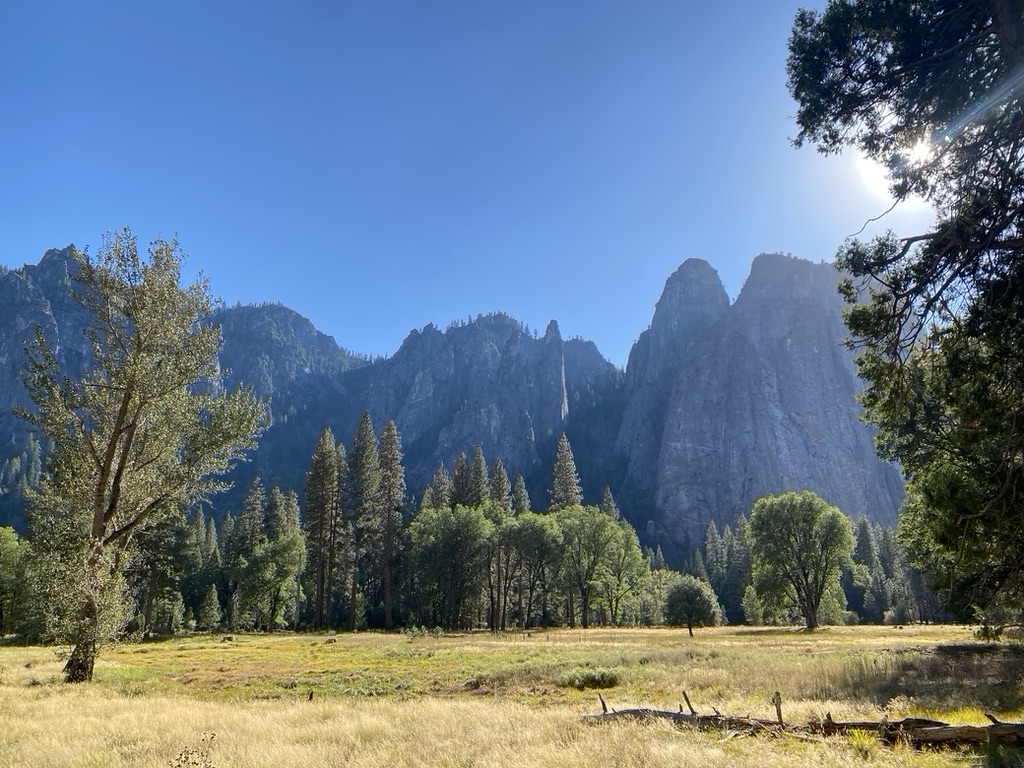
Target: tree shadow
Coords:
[(987, 676)]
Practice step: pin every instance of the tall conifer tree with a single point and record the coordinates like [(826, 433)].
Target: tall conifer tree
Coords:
[(608, 505), (392, 495), (565, 481), (500, 490), (321, 523), (440, 492), (520, 496), (461, 480), (478, 488), (364, 490)]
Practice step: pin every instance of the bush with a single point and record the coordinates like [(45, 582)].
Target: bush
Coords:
[(588, 678)]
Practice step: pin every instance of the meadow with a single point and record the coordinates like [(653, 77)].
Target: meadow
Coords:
[(515, 699)]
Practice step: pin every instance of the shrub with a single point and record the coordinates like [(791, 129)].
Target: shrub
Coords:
[(588, 678)]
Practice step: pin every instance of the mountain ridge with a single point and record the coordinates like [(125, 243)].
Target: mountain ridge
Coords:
[(719, 400)]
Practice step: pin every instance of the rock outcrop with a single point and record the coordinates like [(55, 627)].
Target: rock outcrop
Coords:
[(693, 301), (762, 399)]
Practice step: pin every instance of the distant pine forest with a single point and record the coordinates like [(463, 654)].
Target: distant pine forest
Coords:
[(353, 549)]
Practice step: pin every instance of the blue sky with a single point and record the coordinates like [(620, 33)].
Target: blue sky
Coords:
[(381, 165)]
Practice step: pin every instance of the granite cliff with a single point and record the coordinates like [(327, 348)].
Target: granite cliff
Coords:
[(758, 397), (718, 404)]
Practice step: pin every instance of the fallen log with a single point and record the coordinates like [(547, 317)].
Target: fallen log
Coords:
[(919, 731), (915, 731)]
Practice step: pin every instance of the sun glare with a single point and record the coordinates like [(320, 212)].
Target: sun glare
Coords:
[(920, 152), (874, 177)]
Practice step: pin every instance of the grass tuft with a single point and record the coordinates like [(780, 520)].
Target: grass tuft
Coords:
[(865, 744), (581, 679)]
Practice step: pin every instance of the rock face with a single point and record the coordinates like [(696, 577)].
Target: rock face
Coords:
[(762, 399), (35, 295), (719, 403), (488, 382), (693, 301)]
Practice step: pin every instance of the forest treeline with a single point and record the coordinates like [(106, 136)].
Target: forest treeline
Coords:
[(353, 550)]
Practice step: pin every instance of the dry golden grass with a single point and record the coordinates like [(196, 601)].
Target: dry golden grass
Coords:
[(491, 700)]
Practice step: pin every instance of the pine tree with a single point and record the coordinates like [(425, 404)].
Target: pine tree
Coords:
[(280, 561), (209, 615), (211, 547), (392, 494), (565, 481), (440, 492), (658, 560), (520, 496), (716, 557), (343, 551), (461, 491), (193, 584), (500, 490), (365, 493), (247, 537), (608, 505), (478, 489), (321, 524), (154, 576)]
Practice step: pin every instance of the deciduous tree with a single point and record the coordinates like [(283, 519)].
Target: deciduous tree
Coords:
[(691, 603), (799, 545), (449, 550), (145, 431), (588, 536)]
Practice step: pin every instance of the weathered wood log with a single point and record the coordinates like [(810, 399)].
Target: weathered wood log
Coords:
[(701, 722), (915, 731)]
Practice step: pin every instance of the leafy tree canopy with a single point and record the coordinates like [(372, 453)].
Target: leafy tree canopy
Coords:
[(145, 432), (799, 544), (934, 90), (691, 602)]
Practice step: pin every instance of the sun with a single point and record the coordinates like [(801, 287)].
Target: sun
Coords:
[(920, 153), (874, 176)]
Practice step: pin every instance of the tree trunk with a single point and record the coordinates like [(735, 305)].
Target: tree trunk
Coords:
[(78, 668), (387, 590), (352, 598), (147, 614), (275, 603)]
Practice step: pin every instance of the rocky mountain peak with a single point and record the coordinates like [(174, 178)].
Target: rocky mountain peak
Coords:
[(693, 298), (766, 402), (693, 301), (57, 262)]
